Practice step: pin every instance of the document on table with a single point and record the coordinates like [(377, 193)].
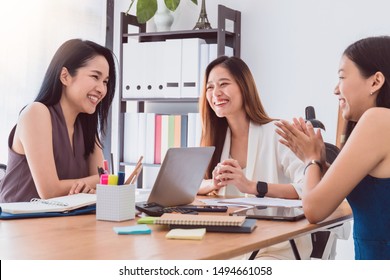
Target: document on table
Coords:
[(254, 201)]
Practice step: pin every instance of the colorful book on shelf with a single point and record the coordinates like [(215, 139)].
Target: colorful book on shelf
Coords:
[(177, 134), (248, 226), (164, 136), (58, 204), (183, 132), (200, 220)]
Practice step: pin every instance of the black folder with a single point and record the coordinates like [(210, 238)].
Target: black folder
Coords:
[(247, 227)]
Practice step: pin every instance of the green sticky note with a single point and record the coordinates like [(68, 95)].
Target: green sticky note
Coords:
[(139, 229), (146, 220)]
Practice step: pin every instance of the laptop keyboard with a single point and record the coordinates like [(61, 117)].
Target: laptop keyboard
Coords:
[(156, 210)]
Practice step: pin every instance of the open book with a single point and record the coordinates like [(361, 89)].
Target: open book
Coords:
[(255, 201), (57, 204)]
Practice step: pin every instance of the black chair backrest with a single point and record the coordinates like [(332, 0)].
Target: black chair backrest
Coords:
[(3, 168), (321, 238), (310, 115), (331, 150)]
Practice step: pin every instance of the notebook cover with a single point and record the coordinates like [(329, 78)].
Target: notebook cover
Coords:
[(84, 210), (247, 227), (204, 220)]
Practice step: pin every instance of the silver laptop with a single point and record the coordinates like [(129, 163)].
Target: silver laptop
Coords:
[(180, 176)]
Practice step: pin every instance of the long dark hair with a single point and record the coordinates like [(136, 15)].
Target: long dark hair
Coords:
[(371, 55), (74, 54), (214, 128)]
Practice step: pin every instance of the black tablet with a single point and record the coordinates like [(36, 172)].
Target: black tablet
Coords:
[(271, 213)]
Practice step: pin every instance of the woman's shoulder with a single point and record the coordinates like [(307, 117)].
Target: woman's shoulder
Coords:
[(377, 116), (35, 107), (34, 111)]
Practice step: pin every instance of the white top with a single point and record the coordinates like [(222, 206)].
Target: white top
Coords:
[(268, 160)]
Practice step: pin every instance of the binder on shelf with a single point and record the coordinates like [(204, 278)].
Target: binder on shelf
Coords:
[(150, 138), (191, 53), (153, 58), (191, 130), (171, 131), (132, 75), (204, 62), (130, 142), (164, 135), (177, 132), (213, 51), (157, 141), (198, 130), (172, 68), (183, 131), (141, 133)]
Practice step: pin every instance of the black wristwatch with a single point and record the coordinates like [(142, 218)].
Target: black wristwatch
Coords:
[(262, 188)]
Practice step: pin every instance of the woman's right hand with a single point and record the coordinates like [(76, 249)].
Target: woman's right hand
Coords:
[(80, 186), (210, 186)]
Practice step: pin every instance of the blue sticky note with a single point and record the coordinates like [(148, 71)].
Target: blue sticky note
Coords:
[(138, 229)]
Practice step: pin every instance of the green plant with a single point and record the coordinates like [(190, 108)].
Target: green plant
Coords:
[(147, 8)]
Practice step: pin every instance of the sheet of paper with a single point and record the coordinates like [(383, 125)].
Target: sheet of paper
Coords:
[(254, 201)]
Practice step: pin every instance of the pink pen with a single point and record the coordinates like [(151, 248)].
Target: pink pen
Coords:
[(104, 179), (105, 166)]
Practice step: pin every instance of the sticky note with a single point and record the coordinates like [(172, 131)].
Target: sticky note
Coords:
[(192, 234), (139, 229), (146, 220)]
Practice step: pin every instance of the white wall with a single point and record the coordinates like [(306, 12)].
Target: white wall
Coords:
[(30, 32), (293, 48)]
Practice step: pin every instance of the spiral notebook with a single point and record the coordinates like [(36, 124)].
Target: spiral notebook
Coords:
[(199, 220), (57, 204)]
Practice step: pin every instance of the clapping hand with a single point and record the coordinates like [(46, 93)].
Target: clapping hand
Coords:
[(302, 140)]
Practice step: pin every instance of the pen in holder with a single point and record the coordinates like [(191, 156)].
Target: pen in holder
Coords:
[(115, 202)]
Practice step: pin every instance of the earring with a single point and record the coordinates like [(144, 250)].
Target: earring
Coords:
[(371, 93)]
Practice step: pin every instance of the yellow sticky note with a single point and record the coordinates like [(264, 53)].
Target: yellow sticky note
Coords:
[(192, 234)]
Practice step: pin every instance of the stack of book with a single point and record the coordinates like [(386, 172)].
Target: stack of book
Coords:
[(212, 223), (151, 135)]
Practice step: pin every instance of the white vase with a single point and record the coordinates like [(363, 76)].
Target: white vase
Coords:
[(163, 17)]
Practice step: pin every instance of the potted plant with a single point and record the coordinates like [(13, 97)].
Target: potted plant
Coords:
[(146, 9)]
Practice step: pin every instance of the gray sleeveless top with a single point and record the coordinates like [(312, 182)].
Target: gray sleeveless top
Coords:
[(18, 184)]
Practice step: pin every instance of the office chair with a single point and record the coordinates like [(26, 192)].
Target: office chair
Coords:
[(3, 168), (323, 241)]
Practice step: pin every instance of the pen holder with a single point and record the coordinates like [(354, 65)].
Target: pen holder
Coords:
[(115, 203)]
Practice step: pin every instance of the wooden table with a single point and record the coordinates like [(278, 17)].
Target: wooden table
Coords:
[(83, 237)]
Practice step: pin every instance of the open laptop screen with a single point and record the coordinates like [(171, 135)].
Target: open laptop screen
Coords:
[(180, 175)]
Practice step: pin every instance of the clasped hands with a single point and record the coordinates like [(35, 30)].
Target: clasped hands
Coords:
[(227, 172)]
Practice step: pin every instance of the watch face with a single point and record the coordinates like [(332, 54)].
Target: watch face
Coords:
[(262, 188)]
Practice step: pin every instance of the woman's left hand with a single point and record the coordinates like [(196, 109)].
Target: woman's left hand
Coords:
[(81, 187)]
